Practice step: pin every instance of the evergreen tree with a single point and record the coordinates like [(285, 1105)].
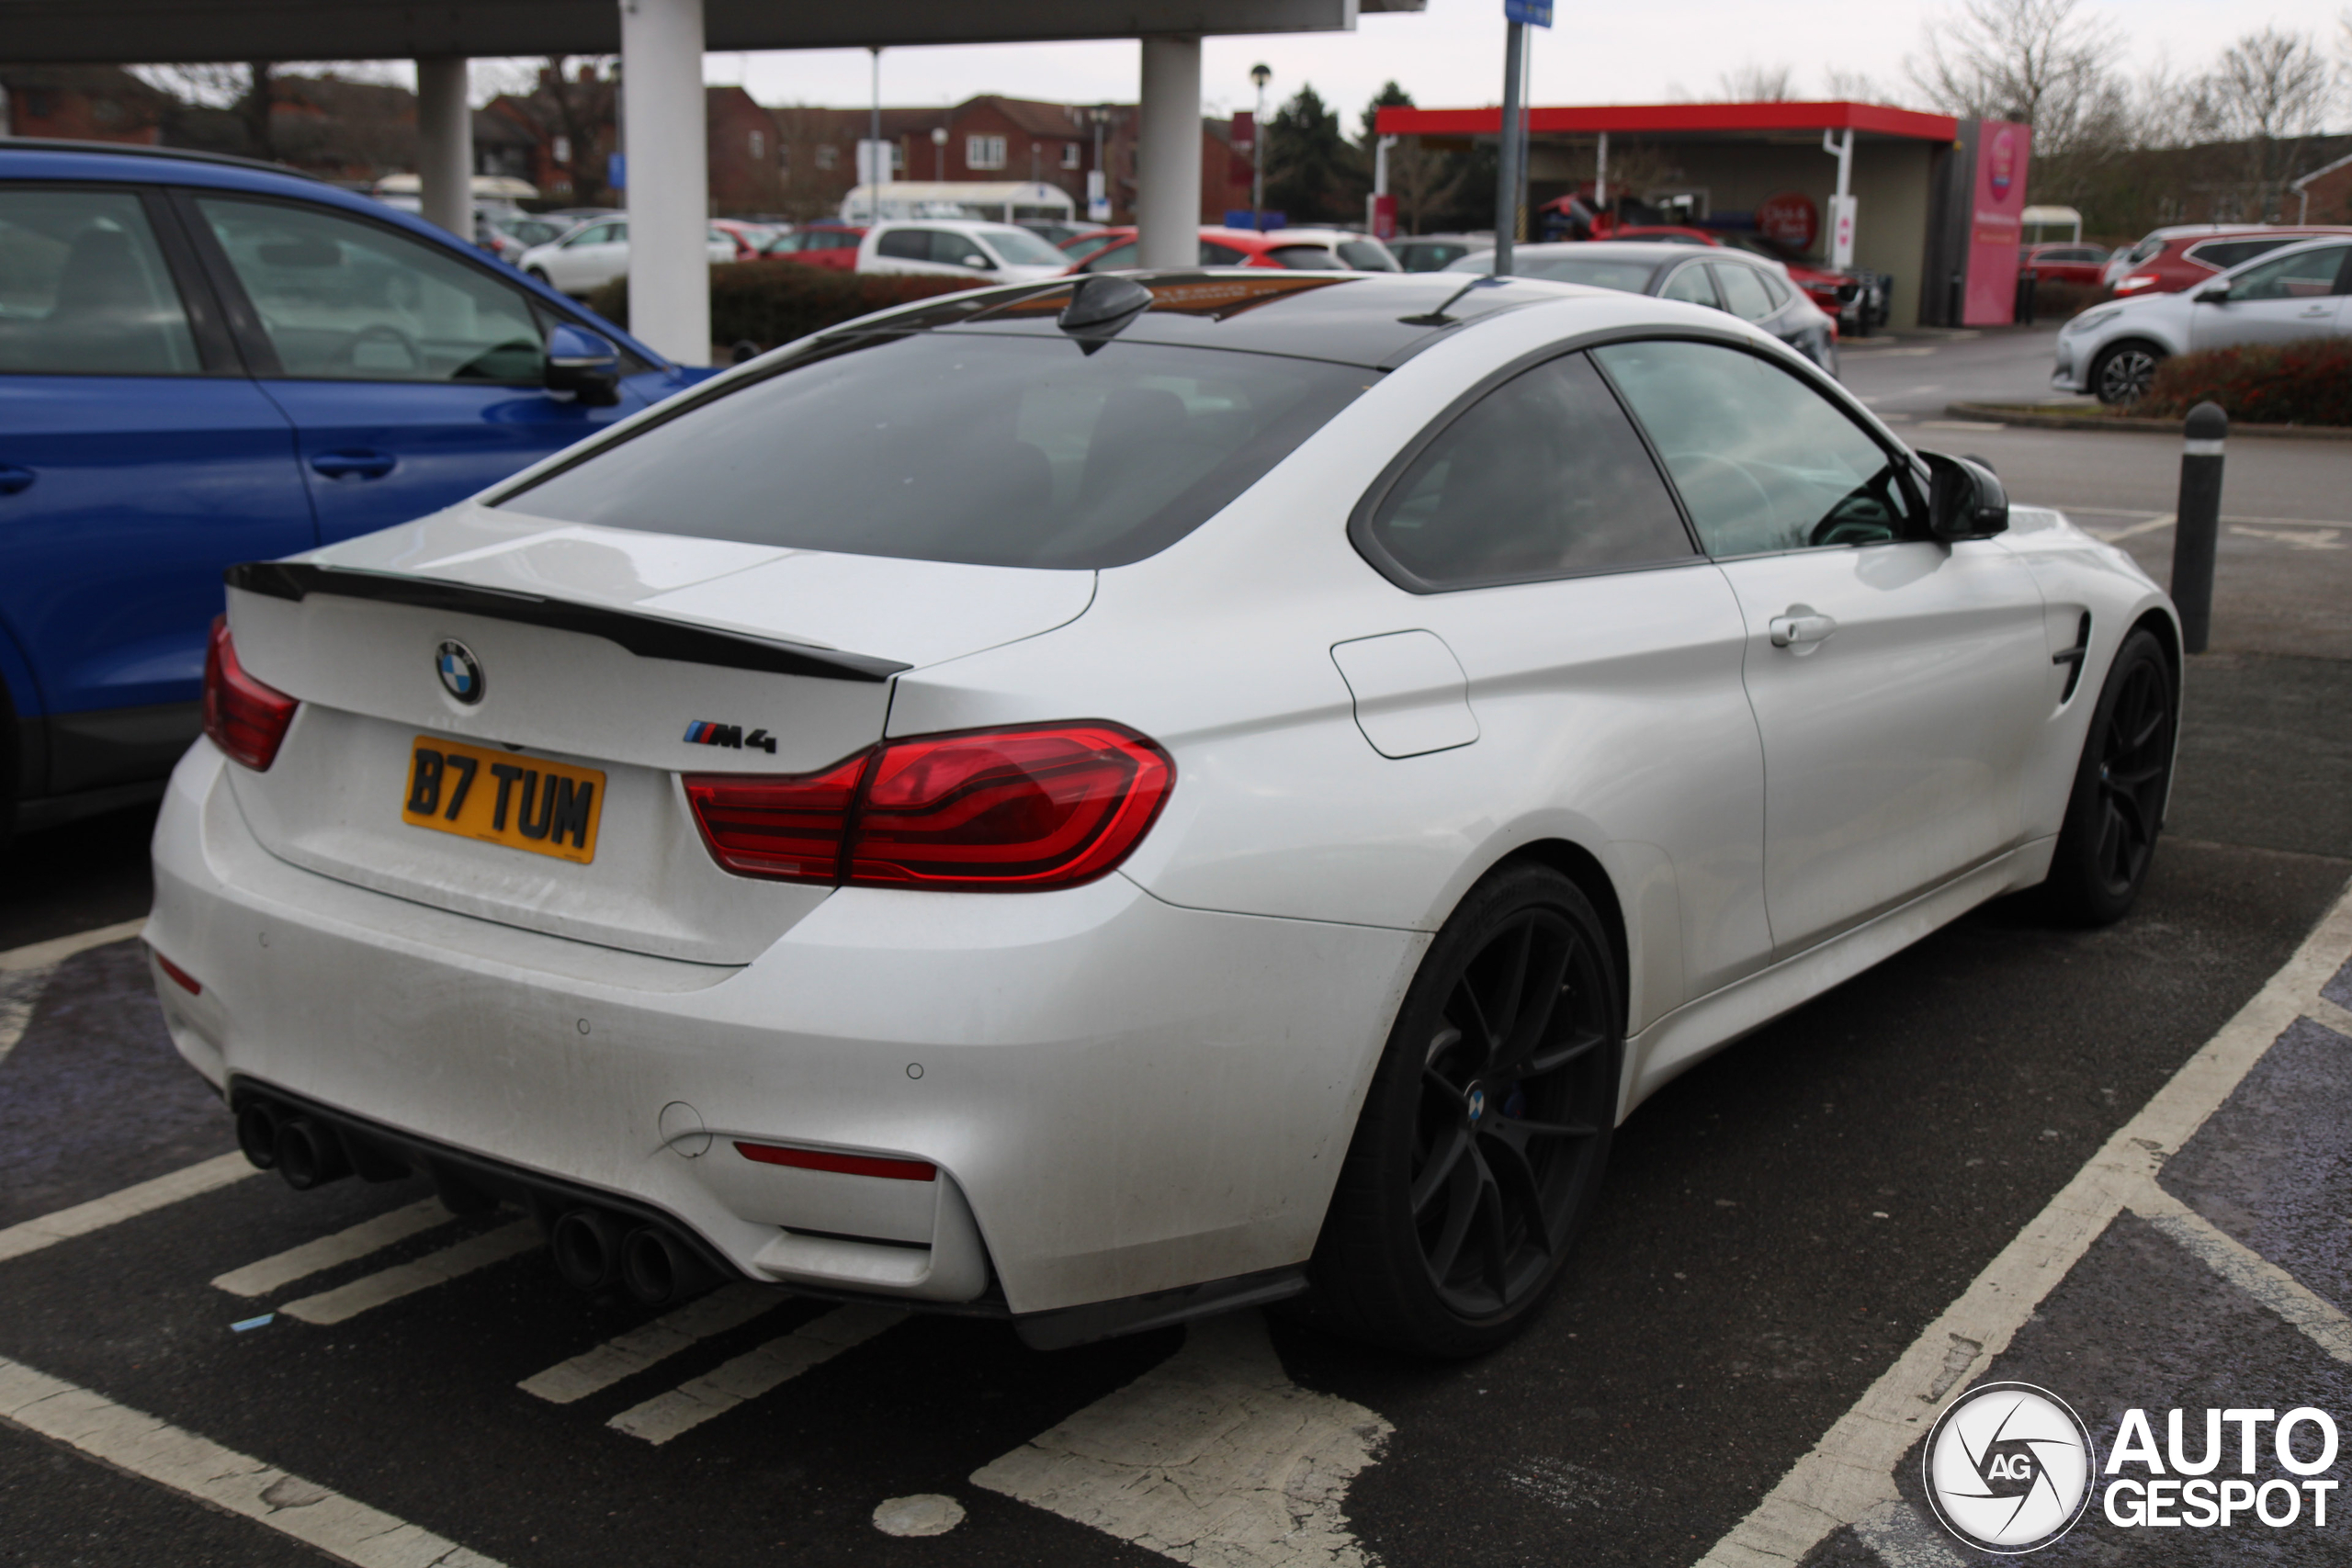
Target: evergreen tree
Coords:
[(1313, 175)]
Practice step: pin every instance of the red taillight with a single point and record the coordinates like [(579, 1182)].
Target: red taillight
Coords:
[(845, 1164), (245, 718), (181, 977), (789, 830), (988, 810)]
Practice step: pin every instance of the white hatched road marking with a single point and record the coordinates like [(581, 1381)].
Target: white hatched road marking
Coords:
[(347, 1301), (1850, 1474), (730, 1306), (342, 1247), (755, 1372), (33, 1234), (25, 971), (198, 1468), (2288, 1298), (1213, 1458)]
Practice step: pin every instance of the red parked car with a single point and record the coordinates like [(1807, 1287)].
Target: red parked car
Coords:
[(1856, 301), (2181, 262), (2066, 262), (832, 245), (1115, 249)]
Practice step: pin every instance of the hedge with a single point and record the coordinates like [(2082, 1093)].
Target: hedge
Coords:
[(773, 301), (2308, 381)]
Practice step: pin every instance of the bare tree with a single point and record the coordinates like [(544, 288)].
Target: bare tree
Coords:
[(1755, 84), (571, 101), (1423, 182), (2271, 93), (2034, 61), (1860, 86)]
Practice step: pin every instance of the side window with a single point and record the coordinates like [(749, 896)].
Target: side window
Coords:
[(951, 249), (1762, 460), (2306, 275), (2227, 254), (1691, 283), (1114, 259), (905, 244), (595, 236), (346, 301), (84, 288), (1776, 286), (1542, 477), (1215, 255), (1743, 289)]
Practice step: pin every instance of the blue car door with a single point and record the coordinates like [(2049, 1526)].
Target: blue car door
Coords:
[(413, 374), (136, 463)]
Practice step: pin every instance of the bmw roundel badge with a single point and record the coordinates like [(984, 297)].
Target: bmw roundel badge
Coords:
[(460, 671)]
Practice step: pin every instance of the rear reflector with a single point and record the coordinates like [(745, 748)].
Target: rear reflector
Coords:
[(245, 718), (845, 1164), (998, 810), (185, 981)]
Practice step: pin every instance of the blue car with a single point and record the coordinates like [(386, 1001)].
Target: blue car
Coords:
[(205, 361)]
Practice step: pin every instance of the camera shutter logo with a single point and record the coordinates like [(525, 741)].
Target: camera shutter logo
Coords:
[(2010, 1468), (459, 671)]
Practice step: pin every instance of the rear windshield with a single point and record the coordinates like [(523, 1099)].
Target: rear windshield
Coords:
[(990, 450), (1019, 247)]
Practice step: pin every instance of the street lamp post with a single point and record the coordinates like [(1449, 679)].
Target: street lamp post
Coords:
[(1098, 183), (1261, 75)]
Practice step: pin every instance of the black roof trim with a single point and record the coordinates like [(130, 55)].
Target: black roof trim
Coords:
[(648, 637), (135, 150)]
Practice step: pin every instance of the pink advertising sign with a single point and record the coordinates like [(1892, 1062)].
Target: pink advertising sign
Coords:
[(1996, 223)]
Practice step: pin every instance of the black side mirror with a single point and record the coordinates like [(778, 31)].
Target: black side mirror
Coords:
[(2217, 294), (1965, 498), (584, 364)]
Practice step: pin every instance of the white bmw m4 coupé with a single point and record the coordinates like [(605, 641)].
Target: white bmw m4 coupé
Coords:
[(1095, 803)]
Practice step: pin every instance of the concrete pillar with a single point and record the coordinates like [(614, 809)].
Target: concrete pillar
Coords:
[(669, 178), (1168, 154), (445, 145)]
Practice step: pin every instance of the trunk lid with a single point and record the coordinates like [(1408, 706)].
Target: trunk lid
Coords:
[(638, 656)]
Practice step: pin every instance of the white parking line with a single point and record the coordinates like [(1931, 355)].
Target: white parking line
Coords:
[(56, 949), (753, 1373), (25, 971), (198, 1468), (2314, 1316), (1851, 1472), (1214, 1457), (342, 1247), (31, 1235), (730, 1306), (347, 1302)]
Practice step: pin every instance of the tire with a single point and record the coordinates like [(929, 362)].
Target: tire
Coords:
[(1497, 1119), (2122, 372), (539, 274), (2116, 809)]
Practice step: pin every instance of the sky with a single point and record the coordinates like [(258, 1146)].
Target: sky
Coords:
[(1450, 54)]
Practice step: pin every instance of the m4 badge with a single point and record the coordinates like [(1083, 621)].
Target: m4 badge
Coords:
[(703, 732)]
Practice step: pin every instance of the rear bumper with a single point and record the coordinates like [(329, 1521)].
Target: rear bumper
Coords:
[(1121, 1097)]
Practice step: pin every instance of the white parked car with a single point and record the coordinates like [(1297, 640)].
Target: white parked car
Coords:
[(596, 251), (1105, 801), (1334, 250), (954, 248), (2295, 291)]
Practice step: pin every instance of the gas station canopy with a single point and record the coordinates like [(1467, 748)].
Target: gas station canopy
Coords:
[(163, 31), (1802, 121)]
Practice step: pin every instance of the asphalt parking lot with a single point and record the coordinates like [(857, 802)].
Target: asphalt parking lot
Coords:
[(1780, 1228)]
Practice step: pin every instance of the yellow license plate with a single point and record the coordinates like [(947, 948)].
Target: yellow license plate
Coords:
[(501, 797)]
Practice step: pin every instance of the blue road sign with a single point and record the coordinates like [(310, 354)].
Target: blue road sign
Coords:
[(1534, 13)]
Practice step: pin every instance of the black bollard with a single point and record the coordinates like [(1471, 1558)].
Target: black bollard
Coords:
[(2197, 525)]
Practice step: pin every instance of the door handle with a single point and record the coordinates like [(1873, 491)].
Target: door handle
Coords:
[(1799, 627), (355, 463), (2317, 310), (14, 479)]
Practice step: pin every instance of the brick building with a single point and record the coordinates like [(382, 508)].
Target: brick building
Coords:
[(2323, 195), (81, 103)]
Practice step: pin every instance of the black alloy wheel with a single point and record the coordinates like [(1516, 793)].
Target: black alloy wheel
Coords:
[(1480, 1149), (2124, 372), (2117, 804)]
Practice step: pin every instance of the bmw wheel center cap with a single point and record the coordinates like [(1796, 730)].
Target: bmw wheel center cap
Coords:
[(1477, 1104), (459, 671)]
